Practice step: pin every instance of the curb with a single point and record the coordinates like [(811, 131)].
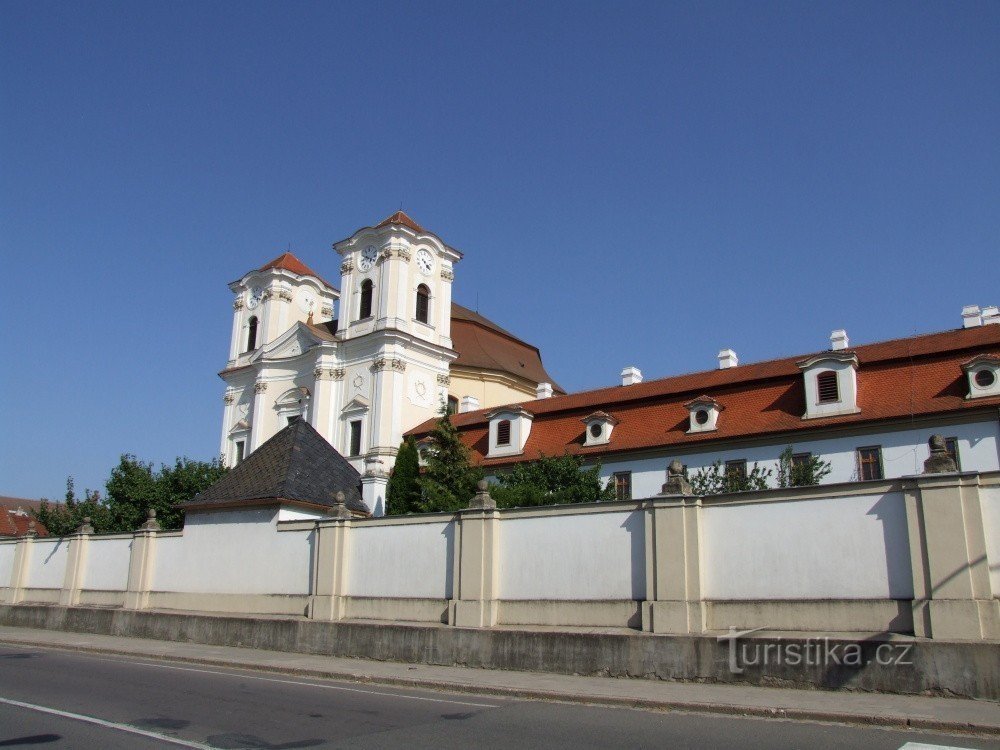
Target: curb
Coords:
[(889, 721)]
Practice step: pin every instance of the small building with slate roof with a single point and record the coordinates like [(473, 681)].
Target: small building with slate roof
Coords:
[(297, 471)]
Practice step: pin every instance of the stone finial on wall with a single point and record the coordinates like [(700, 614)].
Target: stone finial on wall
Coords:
[(32, 528), (939, 462), (677, 483), (151, 523), (482, 500), (340, 506), (85, 527)]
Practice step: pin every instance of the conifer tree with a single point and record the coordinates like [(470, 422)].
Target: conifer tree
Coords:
[(403, 493), (449, 480)]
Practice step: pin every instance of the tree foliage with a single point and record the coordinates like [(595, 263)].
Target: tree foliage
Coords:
[(550, 480), (449, 479), (403, 493), (802, 473), (132, 489), (715, 480)]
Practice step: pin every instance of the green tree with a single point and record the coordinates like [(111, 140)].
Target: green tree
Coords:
[(64, 518), (809, 471), (403, 493), (449, 480), (550, 480), (714, 480)]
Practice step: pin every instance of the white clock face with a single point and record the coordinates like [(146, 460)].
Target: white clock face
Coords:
[(368, 258), (254, 296), (425, 262), (307, 301)]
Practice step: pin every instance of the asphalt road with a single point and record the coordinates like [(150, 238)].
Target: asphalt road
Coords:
[(58, 699)]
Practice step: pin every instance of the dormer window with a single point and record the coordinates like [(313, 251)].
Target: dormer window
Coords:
[(365, 310), (599, 427), (703, 414), (831, 384), (509, 430), (423, 303), (983, 372)]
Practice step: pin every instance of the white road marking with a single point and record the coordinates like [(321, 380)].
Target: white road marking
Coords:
[(107, 724), (925, 746), (275, 679)]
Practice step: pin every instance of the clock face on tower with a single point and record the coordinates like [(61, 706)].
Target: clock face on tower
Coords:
[(254, 296), (307, 301), (425, 262), (368, 257)]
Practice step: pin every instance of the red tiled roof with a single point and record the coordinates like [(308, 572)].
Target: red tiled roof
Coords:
[(401, 218), (15, 523), (289, 262), (899, 378), (20, 502)]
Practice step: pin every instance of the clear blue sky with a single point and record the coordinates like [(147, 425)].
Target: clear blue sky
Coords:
[(631, 183)]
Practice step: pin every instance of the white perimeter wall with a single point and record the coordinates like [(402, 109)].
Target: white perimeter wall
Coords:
[(6, 562), (903, 454), (990, 500), (106, 566), (592, 556), (412, 561), (47, 568), (234, 552), (830, 548)]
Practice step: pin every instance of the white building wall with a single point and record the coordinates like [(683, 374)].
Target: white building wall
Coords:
[(852, 547), (989, 498), (903, 454), (6, 562), (106, 566), (592, 556), (414, 561), (47, 568), (234, 552)]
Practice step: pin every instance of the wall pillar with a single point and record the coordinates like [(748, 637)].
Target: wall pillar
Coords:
[(141, 562), (76, 562), (331, 549), (14, 592), (952, 596), (477, 605), (673, 565)]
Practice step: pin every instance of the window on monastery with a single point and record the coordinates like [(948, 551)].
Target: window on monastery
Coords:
[(355, 438), (736, 470), (870, 463), (826, 387), (423, 303), (252, 333), (985, 378), (951, 446), (240, 448), (452, 405), (366, 299), (801, 460), (623, 485), (503, 432)]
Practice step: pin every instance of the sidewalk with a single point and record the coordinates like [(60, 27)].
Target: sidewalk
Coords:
[(946, 714)]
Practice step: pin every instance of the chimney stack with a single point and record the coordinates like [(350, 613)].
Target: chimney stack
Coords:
[(468, 403), (971, 317), (727, 359), (543, 390), (631, 376), (991, 315), (838, 340)]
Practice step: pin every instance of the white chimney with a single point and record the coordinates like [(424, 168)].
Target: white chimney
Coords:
[(991, 315), (631, 376), (971, 317), (543, 390), (838, 339), (468, 403), (727, 359)]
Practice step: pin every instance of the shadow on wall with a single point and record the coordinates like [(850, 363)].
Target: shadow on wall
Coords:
[(890, 510), (634, 525)]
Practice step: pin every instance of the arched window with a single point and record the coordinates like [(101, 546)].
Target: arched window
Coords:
[(366, 299), (423, 303), (252, 334)]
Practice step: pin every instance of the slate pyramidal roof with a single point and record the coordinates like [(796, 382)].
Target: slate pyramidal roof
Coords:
[(296, 466)]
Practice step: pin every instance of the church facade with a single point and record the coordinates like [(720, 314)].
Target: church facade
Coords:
[(368, 362)]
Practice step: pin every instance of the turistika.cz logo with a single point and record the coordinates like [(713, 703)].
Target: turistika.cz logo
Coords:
[(812, 652)]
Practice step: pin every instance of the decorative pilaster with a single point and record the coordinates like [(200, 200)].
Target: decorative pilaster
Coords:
[(14, 592), (328, 601), (257, 425), (478, 587), (140, 569), (76, 562)]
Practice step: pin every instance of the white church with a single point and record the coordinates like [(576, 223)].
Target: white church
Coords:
[(366, 364)]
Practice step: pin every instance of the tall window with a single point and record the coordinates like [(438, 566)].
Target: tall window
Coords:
[(240, 447), (736, 471), (503, 432), (423, 303), (355, 448), (870, 463), (252, 333), (623, 485), (366, 299), (826, 387), (452, 405)]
